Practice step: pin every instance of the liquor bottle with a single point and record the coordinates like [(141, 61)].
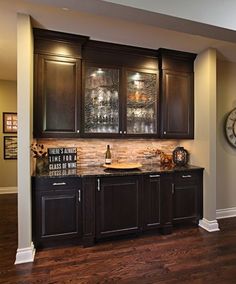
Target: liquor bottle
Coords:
[(108, 155)]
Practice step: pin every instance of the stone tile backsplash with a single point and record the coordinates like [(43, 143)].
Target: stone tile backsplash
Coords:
[(92, 151)]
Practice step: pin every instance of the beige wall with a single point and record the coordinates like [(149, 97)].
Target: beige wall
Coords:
[(8, 99), (226, 155)]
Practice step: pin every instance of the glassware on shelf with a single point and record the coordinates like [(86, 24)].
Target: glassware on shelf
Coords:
[(101, 100), (141, 103)]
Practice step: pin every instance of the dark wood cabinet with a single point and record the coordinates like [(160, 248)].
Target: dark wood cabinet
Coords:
[(152, 201), (187, 197), (86, 88), (176, 94), (118, 206), (58, 106), (57, 211), (83, 210), (120, 91), (157, 202), (57, 84)]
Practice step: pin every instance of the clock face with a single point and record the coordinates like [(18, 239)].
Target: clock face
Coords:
[(230, 127)]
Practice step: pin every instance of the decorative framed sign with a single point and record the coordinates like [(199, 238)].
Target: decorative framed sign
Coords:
[(62, 158), (9, 122), (10, 147)]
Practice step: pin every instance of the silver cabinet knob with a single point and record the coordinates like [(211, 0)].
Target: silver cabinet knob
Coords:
[(120, 132), (125, 132), (77, 131), (164, 132)]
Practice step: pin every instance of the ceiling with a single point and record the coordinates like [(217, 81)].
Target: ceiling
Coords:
[(106, 21)]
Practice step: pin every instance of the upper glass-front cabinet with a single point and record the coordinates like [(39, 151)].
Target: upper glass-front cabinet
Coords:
[(107, 92), (141, 103), (101, 102)]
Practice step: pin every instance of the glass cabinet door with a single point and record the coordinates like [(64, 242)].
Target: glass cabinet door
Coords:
[(101, 103), (141, 112)]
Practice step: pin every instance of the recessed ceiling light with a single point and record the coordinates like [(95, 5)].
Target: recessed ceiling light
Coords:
[(65, 9)]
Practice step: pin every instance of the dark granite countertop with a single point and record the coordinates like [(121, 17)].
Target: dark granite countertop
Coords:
[(101, 171)]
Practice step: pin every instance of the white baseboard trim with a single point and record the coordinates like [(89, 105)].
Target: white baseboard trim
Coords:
[(210, 226), (8, 190), (226, 213), (25, 255)]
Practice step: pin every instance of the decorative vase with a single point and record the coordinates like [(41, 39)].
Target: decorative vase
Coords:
[(41, 165), (180, 156)]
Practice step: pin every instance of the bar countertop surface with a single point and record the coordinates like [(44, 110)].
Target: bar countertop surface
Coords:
[(100, 171)]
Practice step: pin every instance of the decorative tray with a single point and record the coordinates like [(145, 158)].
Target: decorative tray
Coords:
[(122, 166)]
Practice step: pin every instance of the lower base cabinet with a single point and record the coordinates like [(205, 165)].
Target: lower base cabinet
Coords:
[(57, 212), (118, 206), (187, 197), (87, 209), (157, 202)]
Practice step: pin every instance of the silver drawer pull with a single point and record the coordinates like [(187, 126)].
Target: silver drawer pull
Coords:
[(154, 176), (59, 183), (79, 197), (173, 188), (187, 176), (98, 187)]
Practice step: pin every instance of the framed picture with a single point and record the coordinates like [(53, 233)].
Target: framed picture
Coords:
[(9, 122), (10, 147)]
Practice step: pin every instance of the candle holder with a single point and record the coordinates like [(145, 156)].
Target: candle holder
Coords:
[(180, 156)]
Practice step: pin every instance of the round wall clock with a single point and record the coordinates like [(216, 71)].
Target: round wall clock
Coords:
[(230, 127)]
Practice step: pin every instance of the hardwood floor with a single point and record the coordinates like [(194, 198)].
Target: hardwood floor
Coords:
[(188, 255)]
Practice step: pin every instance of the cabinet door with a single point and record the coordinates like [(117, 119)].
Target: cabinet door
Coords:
[(56, 102), (177, 105), (118, 206), (58, 215), (152, 198), (141, 103), (101, 102), (187, 197)]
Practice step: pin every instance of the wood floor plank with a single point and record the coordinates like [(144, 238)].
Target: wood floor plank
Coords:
[(188, 255)]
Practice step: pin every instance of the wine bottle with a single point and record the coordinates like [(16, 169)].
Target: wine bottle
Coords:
[(108, 155)]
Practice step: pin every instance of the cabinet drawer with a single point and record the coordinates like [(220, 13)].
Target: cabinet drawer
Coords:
[(186, 177), (39, 183)]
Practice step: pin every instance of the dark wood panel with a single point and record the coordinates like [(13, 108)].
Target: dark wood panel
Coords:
[(188, 197), (56, 96), (176, 60), (185, 202), (152, 199), (166, 202), (189, 255), (59, 89), (56, 211), (120, 55), (118, 206), (89, 187), (58, 43), (177, 105)]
